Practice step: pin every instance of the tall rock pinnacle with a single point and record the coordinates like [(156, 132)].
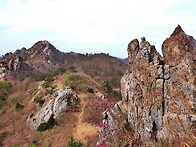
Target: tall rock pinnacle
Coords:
[(158, 94)]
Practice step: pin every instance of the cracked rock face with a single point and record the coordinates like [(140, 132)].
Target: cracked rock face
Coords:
[(53, 107), (159, 93)]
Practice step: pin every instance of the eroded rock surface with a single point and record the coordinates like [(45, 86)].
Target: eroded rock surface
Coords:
[(54, 107), (158, 93)]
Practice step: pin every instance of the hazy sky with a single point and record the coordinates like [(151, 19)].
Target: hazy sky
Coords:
[(92, 25)]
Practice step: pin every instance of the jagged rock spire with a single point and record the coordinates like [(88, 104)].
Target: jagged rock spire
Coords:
[(158, 97)]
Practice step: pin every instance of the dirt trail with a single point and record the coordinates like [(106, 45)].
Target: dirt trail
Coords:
[(83, 130)]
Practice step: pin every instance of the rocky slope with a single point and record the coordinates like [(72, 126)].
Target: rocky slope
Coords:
[(158, 93), (49, 116)]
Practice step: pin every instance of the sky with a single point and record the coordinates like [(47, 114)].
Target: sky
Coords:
[(92, 26)]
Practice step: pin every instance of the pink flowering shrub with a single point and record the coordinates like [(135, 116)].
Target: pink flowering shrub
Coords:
[(113, 135), (94, 107)]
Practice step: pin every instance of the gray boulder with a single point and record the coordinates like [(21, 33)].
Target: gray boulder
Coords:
[(53, 107)]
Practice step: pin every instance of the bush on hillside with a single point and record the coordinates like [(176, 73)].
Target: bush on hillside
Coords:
[(2, 112), (75, 103), (38, 100), (76, 81), (72, 68), (73, 143), (47, 125), (43, 127), (19, 107), (49, 91), (2, 137), (12, 99), (33, 144), (90, 90), (2, 98), (33, 91), (49, 78), (5, 88)]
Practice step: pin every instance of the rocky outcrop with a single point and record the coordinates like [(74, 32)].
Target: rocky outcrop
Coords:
[(15, 63), (54, 107), (158, 93), (36, 62), (179, 52), (2, 72), (21, 51), (46, 51)]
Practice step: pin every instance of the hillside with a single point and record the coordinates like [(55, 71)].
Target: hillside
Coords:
[(80, 120), (43, 57), (31, 79)]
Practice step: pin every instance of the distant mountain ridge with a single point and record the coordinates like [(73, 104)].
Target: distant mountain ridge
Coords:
[(43, 57)]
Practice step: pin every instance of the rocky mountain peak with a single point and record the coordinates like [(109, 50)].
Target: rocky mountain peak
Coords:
[(179, 47), (42, 47), (158, 94), (44, 50), (177, 31)]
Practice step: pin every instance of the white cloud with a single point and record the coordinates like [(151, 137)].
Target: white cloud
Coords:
[(87, 22)]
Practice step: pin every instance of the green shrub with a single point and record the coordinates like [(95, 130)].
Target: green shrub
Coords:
[(56, 94), (75, 103), (12, 99), (2, 137), (33, 91), (2, 99), (45, 84), (2, 112), (163, 142), (22, 79), (73, 143), (5, 89), (38, 100), (6, 84), (49, 78), (61, 70), (19, 107), (47, 125), (52, 74), (33, 144), (72, 68), (90, 90), (49, 91), (43, 127), (76, 81), (31, 115), (53, 87)]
